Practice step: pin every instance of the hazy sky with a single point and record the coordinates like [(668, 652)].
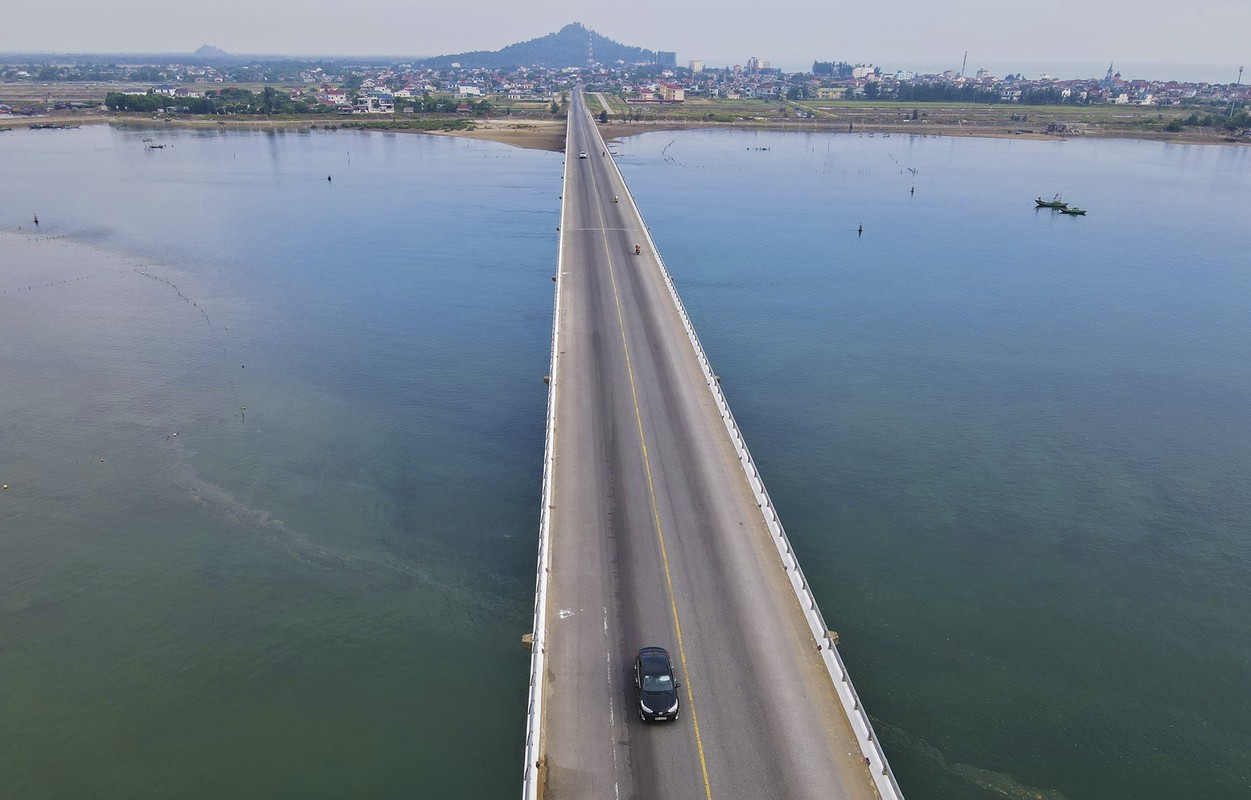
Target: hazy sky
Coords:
[(890, 33)]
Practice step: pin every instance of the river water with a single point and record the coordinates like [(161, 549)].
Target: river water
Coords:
[(273, 445)]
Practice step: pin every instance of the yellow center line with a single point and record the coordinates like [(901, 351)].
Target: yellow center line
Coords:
[(651, 489)]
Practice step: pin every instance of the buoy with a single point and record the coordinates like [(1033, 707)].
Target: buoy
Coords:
[(6, 487), (175, 434), (102, 461)]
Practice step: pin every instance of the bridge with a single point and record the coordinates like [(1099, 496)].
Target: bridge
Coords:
[(657, 530)]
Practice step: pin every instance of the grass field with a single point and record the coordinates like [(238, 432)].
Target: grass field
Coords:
[(952, 119)]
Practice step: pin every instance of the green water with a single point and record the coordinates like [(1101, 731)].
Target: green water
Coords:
[(1012, 450), (274, 446)]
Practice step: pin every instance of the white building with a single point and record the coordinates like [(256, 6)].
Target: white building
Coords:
[(372, 104), (671, 93)]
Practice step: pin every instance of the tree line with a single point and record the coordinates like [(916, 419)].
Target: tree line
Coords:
[(838, 70), (232, 100), (950, 93), (1230, 122)]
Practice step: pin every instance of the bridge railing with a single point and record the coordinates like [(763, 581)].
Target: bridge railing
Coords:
[(532, 776), (866, 737)]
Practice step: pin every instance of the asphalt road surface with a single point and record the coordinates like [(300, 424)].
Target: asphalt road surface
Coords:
[(656, 539)]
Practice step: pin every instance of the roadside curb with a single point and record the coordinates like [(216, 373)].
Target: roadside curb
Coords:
[(532, 774)]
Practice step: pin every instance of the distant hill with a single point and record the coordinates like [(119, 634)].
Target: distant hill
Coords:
[(209, 51), (565, 48)]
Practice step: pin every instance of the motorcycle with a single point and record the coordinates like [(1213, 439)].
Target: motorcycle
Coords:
[(637, 250)]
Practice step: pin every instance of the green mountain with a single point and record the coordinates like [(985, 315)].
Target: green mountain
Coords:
[(565, 48)]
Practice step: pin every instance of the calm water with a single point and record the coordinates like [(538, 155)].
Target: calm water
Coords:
[(1013, 449), (321, 595)]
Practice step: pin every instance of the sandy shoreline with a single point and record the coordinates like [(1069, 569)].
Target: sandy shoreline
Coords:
[(549, 134)]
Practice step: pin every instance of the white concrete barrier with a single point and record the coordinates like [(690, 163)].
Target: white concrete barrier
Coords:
[(870, 748), (531, 775)]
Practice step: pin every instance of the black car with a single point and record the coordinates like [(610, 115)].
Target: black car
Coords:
[(658, 690)]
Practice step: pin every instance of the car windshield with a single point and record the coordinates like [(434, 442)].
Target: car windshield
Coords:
[(658, 683)]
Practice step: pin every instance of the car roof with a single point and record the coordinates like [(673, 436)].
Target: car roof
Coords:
[(655, 657)]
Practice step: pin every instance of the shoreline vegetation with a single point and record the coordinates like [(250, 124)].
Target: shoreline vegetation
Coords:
[(546, 131)]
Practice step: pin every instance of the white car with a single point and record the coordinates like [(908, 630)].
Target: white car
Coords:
[(582, 154)]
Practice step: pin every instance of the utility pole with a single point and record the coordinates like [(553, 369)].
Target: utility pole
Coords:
[(964, 63), (1234, 99)]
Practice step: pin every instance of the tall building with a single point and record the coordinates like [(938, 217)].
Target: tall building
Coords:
[(697, 66), (666, 58), (753, 65), (671, 93)]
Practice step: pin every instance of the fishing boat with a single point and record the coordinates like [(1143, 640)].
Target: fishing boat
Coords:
[(1074, 210), (1054, 202)]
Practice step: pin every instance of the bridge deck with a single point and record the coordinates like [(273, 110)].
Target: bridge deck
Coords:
[(656, 539)]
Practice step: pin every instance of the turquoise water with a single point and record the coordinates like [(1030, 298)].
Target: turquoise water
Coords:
[(1011, 447)]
